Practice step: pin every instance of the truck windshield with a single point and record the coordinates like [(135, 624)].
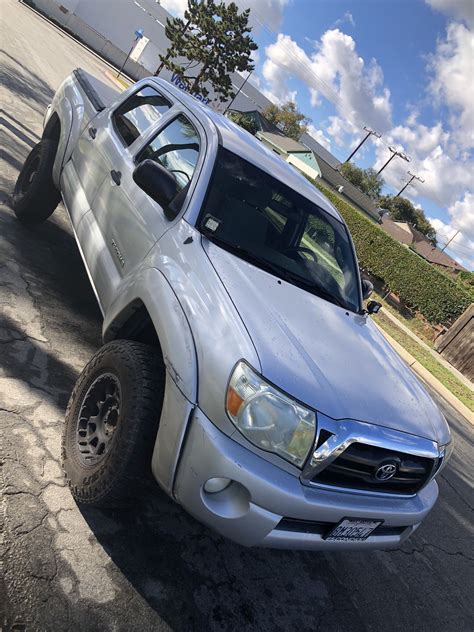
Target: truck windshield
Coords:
[(260, 219)]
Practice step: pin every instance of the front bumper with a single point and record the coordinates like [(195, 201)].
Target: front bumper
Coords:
[(266, 506)]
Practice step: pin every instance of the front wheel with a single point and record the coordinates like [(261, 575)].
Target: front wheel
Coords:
[(35, 197), (111, 423)]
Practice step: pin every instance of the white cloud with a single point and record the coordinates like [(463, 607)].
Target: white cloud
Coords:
[(453, 69), (462, 220), (347, 18), (335, 71), (462, 213), (320, 136), (175, 7), (314, 98), (446, 177), (459, 9), (264, 13), (339, 128)]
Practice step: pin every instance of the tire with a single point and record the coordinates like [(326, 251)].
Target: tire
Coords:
[(117, 399), (35, 197)]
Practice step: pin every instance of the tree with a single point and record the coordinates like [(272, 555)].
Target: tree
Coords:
[(287, 118), (366, 180), (245, 120), (215, 39), (402, 210)]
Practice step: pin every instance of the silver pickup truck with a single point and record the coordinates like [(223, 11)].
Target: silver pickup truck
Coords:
[(239, 364)]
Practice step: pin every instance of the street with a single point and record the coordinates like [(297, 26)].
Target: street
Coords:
[(154, 567)]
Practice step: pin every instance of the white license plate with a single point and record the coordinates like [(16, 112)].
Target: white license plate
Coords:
[(353, 530)]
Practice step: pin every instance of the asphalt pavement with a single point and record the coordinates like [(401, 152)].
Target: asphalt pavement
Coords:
[(155, 567)]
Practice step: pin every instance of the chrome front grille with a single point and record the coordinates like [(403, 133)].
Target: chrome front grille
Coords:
[(358, 466), (355, 456)]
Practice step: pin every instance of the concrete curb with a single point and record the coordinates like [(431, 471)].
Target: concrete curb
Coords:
[(111, 76), (430, 379)]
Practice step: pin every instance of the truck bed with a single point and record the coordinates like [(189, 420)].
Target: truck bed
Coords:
[(100, 94)]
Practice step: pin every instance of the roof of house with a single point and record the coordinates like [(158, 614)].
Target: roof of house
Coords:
[(319, 150), (434, 255), (400, 231), (336, 179), (307, 157), (288, 145)]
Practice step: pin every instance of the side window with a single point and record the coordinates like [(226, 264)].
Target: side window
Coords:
[(138, 113), (176, 148)]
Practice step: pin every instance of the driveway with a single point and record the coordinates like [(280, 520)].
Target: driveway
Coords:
[(154, 567)]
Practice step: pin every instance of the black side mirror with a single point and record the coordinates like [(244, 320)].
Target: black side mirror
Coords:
[(156, 181), (373, 307), (367, 288)]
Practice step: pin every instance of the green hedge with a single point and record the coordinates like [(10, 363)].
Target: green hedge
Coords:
[(420, 285)]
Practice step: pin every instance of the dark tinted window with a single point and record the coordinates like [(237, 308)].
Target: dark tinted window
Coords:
[(138, 113), (270, 224)]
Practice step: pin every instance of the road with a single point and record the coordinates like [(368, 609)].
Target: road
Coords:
[(154, 567)]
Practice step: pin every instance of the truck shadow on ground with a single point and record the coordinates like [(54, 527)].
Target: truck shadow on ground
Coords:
[(195, 580), (25, 83), (47, 255)]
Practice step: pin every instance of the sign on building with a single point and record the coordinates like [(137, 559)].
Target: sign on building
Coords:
[(139, 48)]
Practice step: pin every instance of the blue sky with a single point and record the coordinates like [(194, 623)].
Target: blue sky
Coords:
[(402, 67)]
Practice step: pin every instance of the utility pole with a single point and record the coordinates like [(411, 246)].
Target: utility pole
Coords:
[(369, 133), (238, 91), (394, 153), (413, 177), (449, 241)]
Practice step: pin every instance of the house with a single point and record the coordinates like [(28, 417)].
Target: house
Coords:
[(435, 256), (292, 151), (401, 231), (418, 242)]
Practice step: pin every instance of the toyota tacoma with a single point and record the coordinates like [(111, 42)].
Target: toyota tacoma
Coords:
[(239, 364)]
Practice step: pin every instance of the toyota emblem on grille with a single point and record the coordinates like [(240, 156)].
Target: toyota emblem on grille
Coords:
[(386, 471)]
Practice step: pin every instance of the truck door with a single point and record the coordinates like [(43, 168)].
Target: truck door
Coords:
[(125, 220)]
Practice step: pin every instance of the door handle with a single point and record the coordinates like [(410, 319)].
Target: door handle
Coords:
[(92, 132), (116, 176)]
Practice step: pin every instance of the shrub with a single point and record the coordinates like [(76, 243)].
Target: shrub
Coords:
[(421, 286)]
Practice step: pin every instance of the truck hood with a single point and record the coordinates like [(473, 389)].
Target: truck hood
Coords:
[(331, 359)]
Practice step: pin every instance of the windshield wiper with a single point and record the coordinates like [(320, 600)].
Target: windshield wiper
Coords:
[(278, 271)]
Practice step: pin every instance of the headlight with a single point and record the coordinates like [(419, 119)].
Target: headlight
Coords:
[(445, 452), (268, 418)]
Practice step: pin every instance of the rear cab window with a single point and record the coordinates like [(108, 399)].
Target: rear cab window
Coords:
[(138, 113)]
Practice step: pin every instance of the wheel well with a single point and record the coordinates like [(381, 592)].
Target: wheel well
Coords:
[(135, 324), (52, 130)]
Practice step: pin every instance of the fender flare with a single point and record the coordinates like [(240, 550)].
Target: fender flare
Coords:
[(68, 106), (152, 290)]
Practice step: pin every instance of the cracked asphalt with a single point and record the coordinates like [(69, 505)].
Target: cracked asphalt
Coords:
[(154, 567)]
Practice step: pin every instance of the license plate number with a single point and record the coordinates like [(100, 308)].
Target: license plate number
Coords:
[(353, 530)]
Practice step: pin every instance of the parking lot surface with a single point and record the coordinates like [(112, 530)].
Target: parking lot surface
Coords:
[(154, 567)]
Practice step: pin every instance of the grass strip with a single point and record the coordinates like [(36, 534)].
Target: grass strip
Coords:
[(424, 357)]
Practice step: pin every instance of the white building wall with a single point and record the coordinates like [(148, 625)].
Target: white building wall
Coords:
[(108, 27)]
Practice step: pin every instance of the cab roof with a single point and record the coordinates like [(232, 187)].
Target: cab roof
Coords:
[(248, 147)]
